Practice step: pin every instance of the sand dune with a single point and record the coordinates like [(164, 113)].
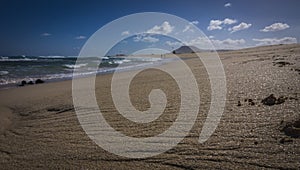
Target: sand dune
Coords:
[(39, 128)]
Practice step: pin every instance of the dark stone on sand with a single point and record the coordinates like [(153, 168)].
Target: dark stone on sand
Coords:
[(280, 100), (270, 100), (53, 109), (293, 98), (39, 81), (292, 129), (255, 143), (284, 140), (23, 83), (239, 103), (30, 83), (250, 102)]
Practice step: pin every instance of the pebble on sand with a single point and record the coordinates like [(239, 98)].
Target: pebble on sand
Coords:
[(272, 100), (39, 81)]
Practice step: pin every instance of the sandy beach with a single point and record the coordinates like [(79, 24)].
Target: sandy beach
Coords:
[(40, 130)]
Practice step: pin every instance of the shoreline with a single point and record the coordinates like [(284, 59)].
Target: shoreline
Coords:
[(101, 72)]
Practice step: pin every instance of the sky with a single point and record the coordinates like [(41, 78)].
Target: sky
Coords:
[(62, 27)]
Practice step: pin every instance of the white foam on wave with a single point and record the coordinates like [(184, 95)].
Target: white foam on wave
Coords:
[(17, 59), (72, 66), (147, 59), (53, 57), (87, 71), (106, 58), (119, 61)]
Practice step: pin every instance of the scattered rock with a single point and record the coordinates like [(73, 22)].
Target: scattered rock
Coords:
[(251, 102), (255, 143), (39, 81), (280, 100), (272, 100), (53, 109), (284, 140), (293, 98), (23, 83), (292, 129)]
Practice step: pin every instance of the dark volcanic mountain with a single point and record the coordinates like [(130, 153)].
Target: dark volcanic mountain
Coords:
[(186, 49)]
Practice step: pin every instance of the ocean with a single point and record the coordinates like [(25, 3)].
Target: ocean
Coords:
[(14, 69)]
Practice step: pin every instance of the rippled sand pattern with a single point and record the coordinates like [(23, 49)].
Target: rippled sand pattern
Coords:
[(43, 130)]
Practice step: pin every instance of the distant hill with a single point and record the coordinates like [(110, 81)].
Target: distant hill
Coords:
[(186, 49)]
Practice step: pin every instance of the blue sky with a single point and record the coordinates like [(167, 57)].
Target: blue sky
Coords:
[(55, 27)]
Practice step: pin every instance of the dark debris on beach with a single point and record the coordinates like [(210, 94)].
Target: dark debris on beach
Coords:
[(37, 81)]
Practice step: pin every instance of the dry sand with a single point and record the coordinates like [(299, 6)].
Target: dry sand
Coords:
[(40, 130)]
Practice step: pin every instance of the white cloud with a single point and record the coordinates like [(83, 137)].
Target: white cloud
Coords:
[(228, 21), (145, 38), (46, 34), (81, 37), (174, 43), (227, 5), (275, 27), (195, 22), (272, 41), (211, 37), (215, 25), (241, 26), (124, 33), (164, 28), (218, 24), (228, 43)]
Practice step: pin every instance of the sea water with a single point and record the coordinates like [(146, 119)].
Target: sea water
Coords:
[(14, 69)]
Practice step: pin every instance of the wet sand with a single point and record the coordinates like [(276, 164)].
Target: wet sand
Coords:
[(39, 127)]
